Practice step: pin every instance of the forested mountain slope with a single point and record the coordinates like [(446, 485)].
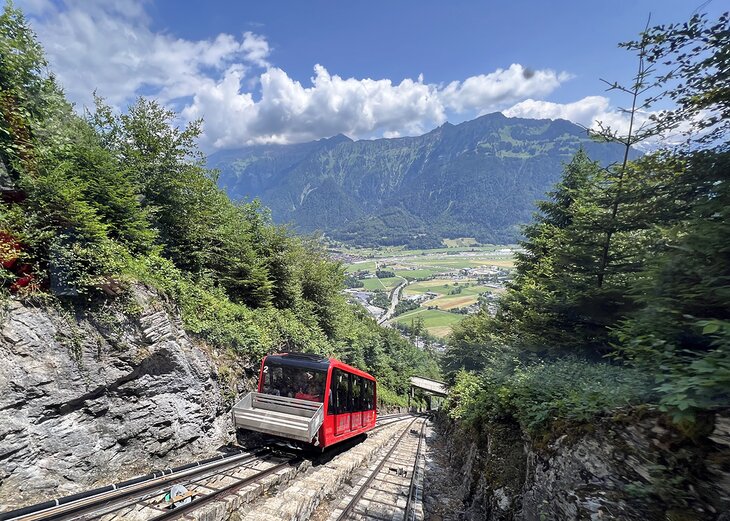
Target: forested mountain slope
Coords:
[(479, 178)]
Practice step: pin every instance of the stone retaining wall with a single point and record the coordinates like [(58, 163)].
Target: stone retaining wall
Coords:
[(633, 468)]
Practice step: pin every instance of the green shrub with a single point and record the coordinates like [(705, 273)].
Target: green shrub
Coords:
[(540, 394), (388, 398)]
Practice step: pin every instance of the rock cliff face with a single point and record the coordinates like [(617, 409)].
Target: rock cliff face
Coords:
[(642, 469), (90, 398)]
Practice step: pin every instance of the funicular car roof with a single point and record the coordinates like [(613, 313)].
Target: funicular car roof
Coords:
[(313, 361), (305, 360)]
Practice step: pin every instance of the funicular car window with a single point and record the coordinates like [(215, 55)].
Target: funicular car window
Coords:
[(294, 382), (340, 394), (368, 395), (356, 393)]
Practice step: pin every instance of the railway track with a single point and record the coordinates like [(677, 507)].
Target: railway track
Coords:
[(148, 497), (389, 488)]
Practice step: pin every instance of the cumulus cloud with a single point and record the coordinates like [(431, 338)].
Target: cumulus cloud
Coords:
[(484, 92), (229, 81), (256, 48), (288, 111), (110, 48), (591, 112)]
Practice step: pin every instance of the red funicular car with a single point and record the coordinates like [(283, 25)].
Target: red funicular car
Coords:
[(308, 399)]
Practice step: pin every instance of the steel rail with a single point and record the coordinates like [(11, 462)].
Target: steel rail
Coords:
[(358, 496), (391, 421), (107, 497), (409, 502), (197, 503)]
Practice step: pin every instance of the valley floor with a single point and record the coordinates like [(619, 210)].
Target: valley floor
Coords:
[(443, 285)]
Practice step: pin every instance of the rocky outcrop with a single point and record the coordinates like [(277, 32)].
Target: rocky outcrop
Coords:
[(640, 467), (89, 398)]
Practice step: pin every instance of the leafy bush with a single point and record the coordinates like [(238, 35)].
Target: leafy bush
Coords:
[(466, 397), (540, 394), (387, 398)]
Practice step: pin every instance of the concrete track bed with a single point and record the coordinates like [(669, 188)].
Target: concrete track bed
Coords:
[(296, 500)]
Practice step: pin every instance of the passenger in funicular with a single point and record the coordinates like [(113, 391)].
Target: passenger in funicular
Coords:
[(312, 387), (294, 383)]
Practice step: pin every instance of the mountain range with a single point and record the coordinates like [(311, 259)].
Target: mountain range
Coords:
[(477, 179)]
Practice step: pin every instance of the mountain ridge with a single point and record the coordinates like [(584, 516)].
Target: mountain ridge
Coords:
[(479, 178)]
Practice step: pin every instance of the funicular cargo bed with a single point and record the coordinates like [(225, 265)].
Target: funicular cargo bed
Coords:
[(279, 415)]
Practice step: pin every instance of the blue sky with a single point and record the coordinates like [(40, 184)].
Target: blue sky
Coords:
[(383, 68)]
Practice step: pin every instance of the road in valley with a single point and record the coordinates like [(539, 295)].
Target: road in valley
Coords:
[(394, 299)]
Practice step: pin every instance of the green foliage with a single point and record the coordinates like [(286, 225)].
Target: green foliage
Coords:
[(404, 306), (25, 90), (630, 261), (352, 282), (543, 394), (571, 284), (387, 398), (380, 299), (697, 80), (474, 343), (113, 200), (465, 397), (682, 331)]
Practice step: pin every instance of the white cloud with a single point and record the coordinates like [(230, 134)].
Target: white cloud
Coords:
[(110, 47), (594, 110), (256, 48), (588, 112), (584, 112), (288, 111), (229, 81), (484, 92)]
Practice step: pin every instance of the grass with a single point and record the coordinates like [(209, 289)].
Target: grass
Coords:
[(440, 331), (452, 301), (436, 322), (461, 242), (440, 286), (475, 290), (384, 284), (399, 251), (468, 296), (359, 266), (417, 273), (461, 262), (443, 286)]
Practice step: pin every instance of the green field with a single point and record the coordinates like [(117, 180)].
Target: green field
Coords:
[(469, 293), (461, 242), (466, 262), (444, 286), (418, 273), (452, 301), (360, 266), (476, 290), (436, 322), (419, 266), (379, 253), (440, 286), (384, 284)]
